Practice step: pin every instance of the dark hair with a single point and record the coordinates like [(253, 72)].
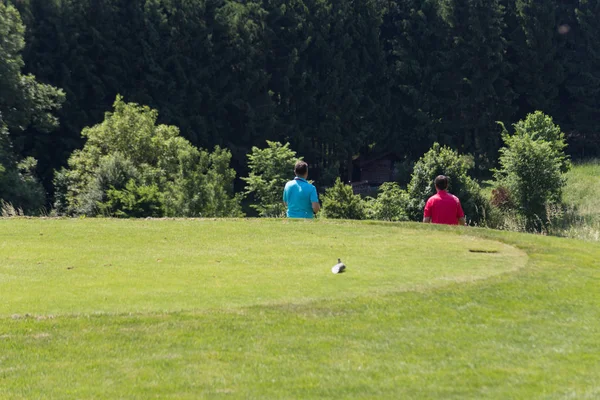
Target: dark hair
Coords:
[(441, 182), (301, 168)]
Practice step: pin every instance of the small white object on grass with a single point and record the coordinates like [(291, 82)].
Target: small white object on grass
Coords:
[(339, 267)]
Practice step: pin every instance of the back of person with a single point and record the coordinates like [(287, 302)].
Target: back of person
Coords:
[(299, 196), (444, 208)]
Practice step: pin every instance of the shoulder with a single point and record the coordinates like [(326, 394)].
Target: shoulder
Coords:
[(305, 183), (433, 198)]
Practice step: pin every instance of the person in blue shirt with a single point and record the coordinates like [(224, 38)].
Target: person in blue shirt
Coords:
[(300, 197)]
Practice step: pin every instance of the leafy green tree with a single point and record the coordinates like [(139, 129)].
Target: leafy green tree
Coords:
[(390, 203), (47, 57), (533, 166), (340, 202), (270, 169), (442, 160), (332, 78), (24, 103), (130, 166)]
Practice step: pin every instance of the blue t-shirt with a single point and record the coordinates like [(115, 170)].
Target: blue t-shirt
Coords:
[(299, 196)]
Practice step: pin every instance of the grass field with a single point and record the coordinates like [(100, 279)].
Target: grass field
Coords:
[(582, 220), (189, 309), (583, 188)]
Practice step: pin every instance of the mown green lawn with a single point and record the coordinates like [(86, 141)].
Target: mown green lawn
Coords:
[(189, 309)]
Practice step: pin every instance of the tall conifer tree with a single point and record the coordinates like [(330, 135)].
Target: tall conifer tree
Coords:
[(479, 92), (583, 82)]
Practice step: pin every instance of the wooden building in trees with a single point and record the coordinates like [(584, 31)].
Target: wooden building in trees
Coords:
[(370, 171)]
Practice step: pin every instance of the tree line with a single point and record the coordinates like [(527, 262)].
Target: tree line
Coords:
[(332, 78)]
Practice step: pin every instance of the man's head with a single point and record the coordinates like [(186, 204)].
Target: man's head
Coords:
[(301, 169), (441, 182)]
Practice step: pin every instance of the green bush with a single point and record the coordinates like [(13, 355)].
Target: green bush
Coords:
[(441, 160), (19, 186), (389, 205), (133, 201), (130, 166), (340, 202), (532, 168), (270, 169)]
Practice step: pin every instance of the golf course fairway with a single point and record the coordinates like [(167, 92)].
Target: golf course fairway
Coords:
[(249, 308)]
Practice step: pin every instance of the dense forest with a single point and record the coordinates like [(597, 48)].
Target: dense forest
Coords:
[(334, 78)]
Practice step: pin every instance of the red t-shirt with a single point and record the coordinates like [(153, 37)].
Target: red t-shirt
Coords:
[(443, 208)]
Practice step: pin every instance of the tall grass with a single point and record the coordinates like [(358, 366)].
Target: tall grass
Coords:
[(583, 188), (580, 216), (7, 210)]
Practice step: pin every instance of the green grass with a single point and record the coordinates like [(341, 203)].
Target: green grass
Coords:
[(249, 309), (112, 266), (582, 218), (583, 188)]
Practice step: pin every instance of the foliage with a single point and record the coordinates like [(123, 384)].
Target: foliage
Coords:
[(19, 185), (415, 37), (332, 78), (535, 51), (130, 166), (390, 203), (133, 201), (270, 169), (579, 214), (582, 80), (502, 199), (24, 103), (340, 202), (475, 87), (441, 160), (532, 167)]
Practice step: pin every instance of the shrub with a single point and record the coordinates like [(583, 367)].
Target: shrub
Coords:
[(270, 169), (532, 167), (130, 166), (340, 202), (502, 199), (20, 187), (133, 201), (441, 160), (389, 205)]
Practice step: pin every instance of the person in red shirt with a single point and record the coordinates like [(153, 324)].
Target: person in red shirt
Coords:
[(443, 207)]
